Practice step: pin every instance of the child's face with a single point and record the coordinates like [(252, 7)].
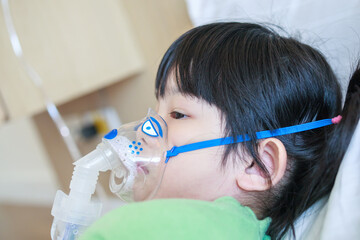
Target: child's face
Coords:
[(197, 174)]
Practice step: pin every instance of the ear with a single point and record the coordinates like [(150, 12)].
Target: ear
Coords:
[(273, 154)]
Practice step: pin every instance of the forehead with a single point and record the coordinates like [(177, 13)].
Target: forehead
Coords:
[(171, 87), (174, 97)]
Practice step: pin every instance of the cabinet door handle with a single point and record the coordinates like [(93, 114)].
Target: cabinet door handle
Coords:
[(4, 108)]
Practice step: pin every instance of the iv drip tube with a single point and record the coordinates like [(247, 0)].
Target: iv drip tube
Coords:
[(36, 79), (50, 106)]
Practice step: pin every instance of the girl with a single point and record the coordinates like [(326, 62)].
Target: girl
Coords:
[(234, 80)]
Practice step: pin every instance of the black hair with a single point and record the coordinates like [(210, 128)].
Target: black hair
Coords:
[(260, 80)]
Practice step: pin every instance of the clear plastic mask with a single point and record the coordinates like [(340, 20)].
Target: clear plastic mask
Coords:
[(141, 148)]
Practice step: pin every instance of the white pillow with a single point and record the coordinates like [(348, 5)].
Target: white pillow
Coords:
[(339, 216), (332, 26)]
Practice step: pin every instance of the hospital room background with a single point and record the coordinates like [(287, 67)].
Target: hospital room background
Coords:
[(70, 71)]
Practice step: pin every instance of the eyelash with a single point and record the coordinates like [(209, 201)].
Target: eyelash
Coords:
[(177, 115)]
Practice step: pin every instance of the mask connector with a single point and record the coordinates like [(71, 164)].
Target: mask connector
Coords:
[(73, 213)]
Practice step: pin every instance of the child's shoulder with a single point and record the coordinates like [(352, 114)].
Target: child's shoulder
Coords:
[(224, 218)]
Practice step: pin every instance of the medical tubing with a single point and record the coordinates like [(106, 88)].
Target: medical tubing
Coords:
[(73, 213), (259, 135), (87, 169), (83, 183), (50, 106), (36, 79)]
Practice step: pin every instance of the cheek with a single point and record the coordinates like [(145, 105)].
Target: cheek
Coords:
[(178, 135), (191, 175), (186, 132)]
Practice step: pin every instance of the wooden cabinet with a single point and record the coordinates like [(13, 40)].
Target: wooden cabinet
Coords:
[(75, 46)]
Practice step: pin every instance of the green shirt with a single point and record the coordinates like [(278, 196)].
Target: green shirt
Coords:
[(225, 218)]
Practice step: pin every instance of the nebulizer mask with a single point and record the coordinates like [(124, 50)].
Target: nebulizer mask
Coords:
[(135, 154)]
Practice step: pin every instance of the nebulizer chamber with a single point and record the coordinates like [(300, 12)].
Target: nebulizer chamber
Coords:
[(134, 154)]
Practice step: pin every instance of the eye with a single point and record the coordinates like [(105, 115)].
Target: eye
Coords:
[(177, 115)]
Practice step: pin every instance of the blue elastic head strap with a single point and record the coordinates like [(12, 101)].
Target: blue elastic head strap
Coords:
[(259, 135)]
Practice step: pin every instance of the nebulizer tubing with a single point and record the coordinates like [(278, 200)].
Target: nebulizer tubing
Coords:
[(73, 213)]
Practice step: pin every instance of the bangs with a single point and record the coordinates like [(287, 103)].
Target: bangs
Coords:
[(197, 60)]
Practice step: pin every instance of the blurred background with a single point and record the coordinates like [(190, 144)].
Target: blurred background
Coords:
[(97, 61)]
